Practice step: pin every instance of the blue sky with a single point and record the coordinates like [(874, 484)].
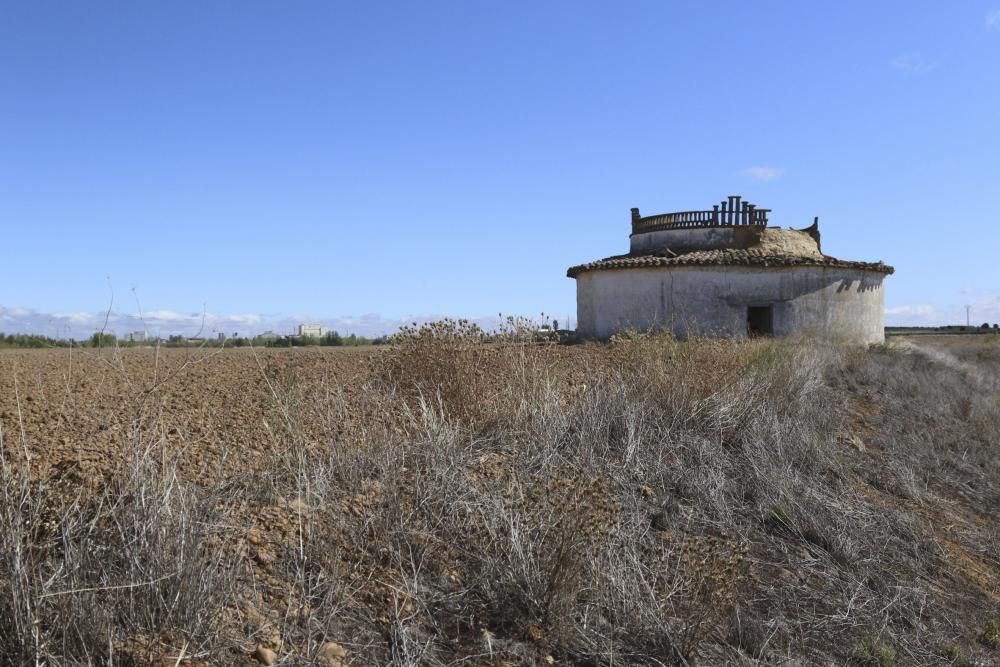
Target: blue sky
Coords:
[(366, 163)]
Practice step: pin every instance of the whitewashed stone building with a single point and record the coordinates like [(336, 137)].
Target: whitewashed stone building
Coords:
[(724, 272)]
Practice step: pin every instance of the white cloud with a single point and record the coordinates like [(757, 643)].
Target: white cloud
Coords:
[(250, 320), (919, 311), (81, 318), (168, 316), (763, 173), (14, 313), (915, 315), (992, 21), (912, 64), (984, 309), (164, 323)]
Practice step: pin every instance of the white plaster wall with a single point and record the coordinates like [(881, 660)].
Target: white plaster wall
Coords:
[(697, 238), (839, 304)]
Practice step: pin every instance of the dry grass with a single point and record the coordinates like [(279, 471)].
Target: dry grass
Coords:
[(130, 571), (502, 502)]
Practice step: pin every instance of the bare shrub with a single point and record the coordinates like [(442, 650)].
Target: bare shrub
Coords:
[(874, 653), (480, 380), (133, 572)]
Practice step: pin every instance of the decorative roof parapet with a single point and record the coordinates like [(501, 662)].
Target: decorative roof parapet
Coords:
[(730, 213)]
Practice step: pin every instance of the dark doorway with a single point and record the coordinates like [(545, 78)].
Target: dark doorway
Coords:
[(760, 320)]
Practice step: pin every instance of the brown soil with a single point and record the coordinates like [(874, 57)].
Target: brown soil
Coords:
[(77, 408)]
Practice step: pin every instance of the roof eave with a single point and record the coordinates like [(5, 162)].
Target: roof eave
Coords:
[(762, 263)]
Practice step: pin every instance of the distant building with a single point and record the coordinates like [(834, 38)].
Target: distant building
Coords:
[(312, 330), (138, 337)]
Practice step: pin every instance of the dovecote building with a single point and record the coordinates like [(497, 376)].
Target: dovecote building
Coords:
[(725, 272)]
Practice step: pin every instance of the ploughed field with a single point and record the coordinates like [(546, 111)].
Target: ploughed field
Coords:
[(446, 500), (216, 412)]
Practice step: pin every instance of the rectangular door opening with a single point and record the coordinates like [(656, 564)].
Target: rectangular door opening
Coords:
[(760, 321)]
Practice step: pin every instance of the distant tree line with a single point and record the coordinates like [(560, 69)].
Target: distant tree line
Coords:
[(984, 328), (330, 339), (16, 340), (98, 339), (32, 340)]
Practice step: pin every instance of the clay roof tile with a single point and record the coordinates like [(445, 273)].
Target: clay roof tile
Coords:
[(722, 257)]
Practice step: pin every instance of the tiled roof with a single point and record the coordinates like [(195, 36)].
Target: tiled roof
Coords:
[(722, 257)]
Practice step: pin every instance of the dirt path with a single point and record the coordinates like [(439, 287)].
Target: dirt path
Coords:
[(946, 358)]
